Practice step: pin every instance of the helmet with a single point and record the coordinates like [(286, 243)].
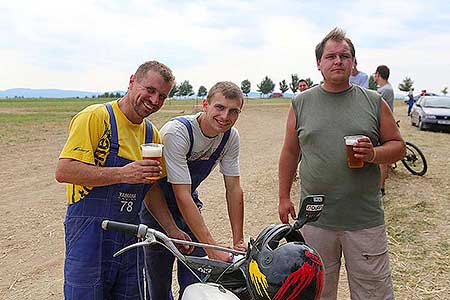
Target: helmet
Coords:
[(292, 270)]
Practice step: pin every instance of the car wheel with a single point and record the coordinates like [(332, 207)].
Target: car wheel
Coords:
[(421, 125)]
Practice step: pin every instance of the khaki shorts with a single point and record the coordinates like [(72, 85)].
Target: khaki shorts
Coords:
[(366, 261)]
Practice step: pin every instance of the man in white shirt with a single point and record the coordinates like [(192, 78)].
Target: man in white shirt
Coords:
[(193, 146)]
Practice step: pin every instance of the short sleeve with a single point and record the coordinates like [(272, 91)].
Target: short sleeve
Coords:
[(176, 142), (229, 165), (86, 129)]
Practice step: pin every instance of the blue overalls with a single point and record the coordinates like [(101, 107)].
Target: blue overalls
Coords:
[(90, 271), (159, 261)]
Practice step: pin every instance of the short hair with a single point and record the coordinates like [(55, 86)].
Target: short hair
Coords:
[(383, 71), (153, 65), (303, 80), (337, 35), (228, 89)]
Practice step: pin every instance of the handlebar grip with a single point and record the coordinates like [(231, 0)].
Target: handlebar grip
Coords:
[(131, 229)]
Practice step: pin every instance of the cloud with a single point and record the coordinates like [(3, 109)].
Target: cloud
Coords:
[(96, 45)]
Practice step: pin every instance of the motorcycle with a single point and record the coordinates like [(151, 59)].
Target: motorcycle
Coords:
[(245, 278)]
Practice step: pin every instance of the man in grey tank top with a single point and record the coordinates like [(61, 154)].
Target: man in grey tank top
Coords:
[(352, 220), (381, 77)]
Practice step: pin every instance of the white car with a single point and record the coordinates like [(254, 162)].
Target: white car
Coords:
[(431, 112)]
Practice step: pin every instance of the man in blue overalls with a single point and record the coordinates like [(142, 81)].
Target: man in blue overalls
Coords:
[(107, 179), (193, 146)]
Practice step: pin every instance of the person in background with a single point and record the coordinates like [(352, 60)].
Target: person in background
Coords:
[(107, 179), (381, 77), (352, 221), (358, 77), (410, 100), (302, 85), (193, 146)]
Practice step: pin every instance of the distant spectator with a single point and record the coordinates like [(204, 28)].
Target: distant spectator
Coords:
[(303, 85), (410, 101), (358, 77), (381, 77)]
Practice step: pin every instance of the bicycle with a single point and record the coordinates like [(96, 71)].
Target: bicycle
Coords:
[(414, 159), (243, 279)]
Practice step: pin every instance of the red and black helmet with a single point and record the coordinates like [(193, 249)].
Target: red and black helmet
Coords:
[(283, 271)]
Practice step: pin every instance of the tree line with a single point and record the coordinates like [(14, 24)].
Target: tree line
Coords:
[(265, 87), (408, 86)]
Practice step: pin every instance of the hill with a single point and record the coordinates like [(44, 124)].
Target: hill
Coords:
[(48, 93)]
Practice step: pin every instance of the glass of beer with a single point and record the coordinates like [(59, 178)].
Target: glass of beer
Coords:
[(152, 151), (352, 162)]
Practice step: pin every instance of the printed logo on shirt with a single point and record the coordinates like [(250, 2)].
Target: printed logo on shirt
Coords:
[(101, 153), (203, 155), (80, 149)]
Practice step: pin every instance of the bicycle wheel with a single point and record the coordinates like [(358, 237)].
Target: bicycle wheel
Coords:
[(414, 160)]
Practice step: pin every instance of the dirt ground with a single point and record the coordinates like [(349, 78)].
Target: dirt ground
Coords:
[(33, 205)]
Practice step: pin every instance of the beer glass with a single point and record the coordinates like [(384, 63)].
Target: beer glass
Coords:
[(152, 151), (352, 162)]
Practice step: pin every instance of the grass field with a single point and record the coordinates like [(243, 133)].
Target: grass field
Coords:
[(417, 209), (19, 118)]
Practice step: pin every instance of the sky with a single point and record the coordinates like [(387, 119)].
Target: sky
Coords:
[(95, 45)]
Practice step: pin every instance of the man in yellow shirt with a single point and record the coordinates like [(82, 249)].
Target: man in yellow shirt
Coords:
[(106, 176)]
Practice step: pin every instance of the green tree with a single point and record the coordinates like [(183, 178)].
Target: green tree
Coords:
[(173, 91), (372, 84), (294, 83), (406, 85), (444, 91), (202, 91), (246, 87), (185, 89), (283, 86), (309, 82), (266, 86)]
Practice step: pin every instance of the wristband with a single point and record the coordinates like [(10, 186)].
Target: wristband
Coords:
[(374, 156)]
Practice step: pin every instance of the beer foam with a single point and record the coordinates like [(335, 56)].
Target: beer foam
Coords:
[(154, 150), (352, 139)]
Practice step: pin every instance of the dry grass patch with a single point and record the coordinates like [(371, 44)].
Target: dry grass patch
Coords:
[(417, 209)]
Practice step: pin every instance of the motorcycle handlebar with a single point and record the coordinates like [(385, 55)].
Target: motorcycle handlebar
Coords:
[(142, 231), (131, 229), (152, 236)]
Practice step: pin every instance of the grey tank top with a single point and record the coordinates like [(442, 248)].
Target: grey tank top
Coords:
[(353, 199)]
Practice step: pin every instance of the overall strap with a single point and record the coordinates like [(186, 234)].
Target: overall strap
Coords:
[(148, 132), (188, 125), (219, 149), (114, 136)]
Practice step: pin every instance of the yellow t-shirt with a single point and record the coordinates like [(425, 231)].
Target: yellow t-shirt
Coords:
[(90, 139)]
